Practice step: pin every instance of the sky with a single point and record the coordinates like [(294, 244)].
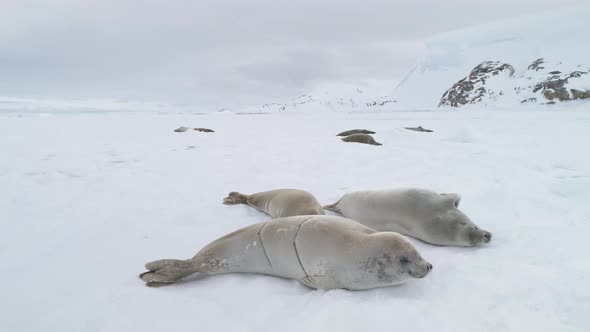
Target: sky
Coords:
[(223, 54)]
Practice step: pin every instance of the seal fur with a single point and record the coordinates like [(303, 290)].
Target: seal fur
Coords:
[(361, 138), (322, 252), (279, 203), (420, 213)]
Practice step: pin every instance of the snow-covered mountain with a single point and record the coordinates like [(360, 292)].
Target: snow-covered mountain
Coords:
[(539, 59), (335, 97)]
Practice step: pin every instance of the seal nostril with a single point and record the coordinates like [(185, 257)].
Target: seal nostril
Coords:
[(429, 266)]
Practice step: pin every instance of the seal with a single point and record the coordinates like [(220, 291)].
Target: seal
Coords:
[(181, 129), (279, 203), (419, 129), (355, 131), (322, 252), (420, 213), (361, 138), (204, 130)]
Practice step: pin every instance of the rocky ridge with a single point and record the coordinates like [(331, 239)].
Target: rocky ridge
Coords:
[(542, 82)]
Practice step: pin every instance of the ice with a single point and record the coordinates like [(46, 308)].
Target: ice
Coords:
[(87, 199)]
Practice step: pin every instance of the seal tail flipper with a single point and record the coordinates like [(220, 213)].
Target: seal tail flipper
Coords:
[(333, 208), (168, 271), (235, 198)]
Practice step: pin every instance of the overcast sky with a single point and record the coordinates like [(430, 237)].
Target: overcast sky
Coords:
[(216, 53)]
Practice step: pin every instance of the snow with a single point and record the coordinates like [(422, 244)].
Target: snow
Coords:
[(369, 95), (61, 105), (558, 36), (87, 199)]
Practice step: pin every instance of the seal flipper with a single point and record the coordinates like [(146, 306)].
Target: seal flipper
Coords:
[(235, 198), (168, 271), (333, 208)]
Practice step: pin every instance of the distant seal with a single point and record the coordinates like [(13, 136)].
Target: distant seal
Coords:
[(322, 252), (361, 138), (204, 130), (181, 129), (419, 129), (355, 131), (420, 213), (279, 203)]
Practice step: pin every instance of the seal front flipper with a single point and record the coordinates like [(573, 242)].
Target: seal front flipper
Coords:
[(235, 198)]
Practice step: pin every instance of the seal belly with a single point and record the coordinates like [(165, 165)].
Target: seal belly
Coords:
[(278, 238)]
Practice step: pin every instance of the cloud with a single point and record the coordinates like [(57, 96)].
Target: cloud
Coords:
[(220, 53)]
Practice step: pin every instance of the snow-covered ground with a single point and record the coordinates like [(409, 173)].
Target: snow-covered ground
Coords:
[(87, 199)]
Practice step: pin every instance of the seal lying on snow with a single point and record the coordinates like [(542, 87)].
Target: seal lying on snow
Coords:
[(279, 203), (420, 213), (181, 129), (204, 130), (361, 138), (419, 129), (323, 252), (355, 131)]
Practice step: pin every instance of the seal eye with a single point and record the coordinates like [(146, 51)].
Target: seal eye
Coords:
[(476, 228), (404, 259)]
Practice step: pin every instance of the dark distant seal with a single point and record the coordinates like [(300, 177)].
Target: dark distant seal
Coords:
[(204, 130), (419, 129), (361, 138), (181, 129), (279, 203), (322, 252), (420, 213), (355, 131)]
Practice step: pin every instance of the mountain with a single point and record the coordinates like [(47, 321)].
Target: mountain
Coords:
[(536, 59), (335, 97)]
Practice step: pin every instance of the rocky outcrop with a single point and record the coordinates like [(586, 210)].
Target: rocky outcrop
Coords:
[(472, 89), (542, 82), (537, 65), (552, 86), (555, 86)]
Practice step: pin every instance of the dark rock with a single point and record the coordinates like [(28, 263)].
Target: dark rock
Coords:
[(555, 87), (536, 65), (530, 100), (383, 103), (471, 89), (577, 94)]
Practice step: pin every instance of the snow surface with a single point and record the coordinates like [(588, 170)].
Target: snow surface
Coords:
[(560, 37), (87, 199)]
